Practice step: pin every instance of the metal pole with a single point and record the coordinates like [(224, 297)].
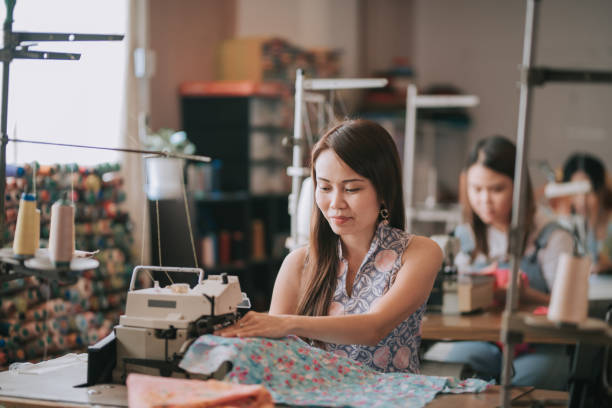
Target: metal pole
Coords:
[(517, 228), (409, 145), (8, 30), (296, 179)]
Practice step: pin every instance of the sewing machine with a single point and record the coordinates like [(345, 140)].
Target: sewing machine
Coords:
[(453, 292), (443, 297), (160, 323)]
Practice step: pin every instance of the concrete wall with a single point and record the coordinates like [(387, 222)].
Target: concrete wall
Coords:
[(477, 45), (185, 36), (387, 32)]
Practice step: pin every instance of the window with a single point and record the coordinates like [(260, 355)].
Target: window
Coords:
[(76, 102)]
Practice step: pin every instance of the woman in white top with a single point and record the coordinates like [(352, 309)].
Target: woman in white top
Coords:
[(488, 188)]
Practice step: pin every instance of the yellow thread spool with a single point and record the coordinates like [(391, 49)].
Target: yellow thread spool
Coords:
[(24, 244), (61, 233), (36, 229)]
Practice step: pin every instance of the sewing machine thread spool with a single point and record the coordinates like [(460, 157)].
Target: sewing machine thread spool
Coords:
[(304, 211), (61, 233), (569, 297), (164, 178), (36, 229), (24, 244)]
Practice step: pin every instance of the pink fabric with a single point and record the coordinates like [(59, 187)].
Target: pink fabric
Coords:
[(145, 391), (501, 278)]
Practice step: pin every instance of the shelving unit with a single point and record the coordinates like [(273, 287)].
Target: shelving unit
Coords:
[(240, 223), (430, 212)]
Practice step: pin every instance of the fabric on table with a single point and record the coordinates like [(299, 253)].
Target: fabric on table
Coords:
[(146, 391), (297, 374)]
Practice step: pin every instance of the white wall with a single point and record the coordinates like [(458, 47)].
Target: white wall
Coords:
[(387, 33), (473, 44), (477, 45)]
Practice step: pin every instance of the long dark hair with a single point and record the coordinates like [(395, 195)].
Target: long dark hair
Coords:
[(595, 171), (498, 154), (370, 151)]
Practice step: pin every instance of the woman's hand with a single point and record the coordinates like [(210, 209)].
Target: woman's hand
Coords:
[(255, 324), (527, 294)]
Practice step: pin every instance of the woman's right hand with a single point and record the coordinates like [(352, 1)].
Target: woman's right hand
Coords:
[(255, 324)]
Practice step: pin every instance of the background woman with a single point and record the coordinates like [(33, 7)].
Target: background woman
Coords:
[(360, 286), (595, 207), (489, 183)]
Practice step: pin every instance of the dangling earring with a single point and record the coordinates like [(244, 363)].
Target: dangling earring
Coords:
[(384, 214)]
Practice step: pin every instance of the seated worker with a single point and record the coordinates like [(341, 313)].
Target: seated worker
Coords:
[(360, 286), (489, 183), (595, 207)]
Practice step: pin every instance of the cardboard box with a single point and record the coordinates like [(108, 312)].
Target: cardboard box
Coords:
[(268, 58), (475, 292)]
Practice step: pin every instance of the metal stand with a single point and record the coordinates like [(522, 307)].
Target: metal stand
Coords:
[(297, 171), (14, 48), (511, 332), (414, 102)]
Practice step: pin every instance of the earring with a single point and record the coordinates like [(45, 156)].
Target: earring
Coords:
[(384, 214)]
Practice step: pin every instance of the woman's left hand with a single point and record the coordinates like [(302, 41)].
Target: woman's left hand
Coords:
[(255, 324)]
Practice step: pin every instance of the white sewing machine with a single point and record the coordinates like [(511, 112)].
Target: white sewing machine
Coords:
[(160, 323)]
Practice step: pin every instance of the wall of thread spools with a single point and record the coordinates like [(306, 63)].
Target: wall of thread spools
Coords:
[(39, 317)]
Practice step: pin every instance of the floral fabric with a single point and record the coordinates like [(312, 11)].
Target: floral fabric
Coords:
[(297, 374), (398, 352)]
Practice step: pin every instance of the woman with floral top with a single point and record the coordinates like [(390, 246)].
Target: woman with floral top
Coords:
[(360, 286)]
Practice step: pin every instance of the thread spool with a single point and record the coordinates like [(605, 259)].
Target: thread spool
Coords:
[(36, 229), (209, 258), (258, 248), (569, 298), (61, 233), (24, 244), (304, 211), (14, 171), (164, 178), (225, 249)]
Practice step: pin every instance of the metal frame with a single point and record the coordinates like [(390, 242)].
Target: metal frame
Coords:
[(297, 171), (415, 101), (15, 47), (512, 331)]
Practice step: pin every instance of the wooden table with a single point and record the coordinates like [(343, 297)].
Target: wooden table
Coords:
[(483, 326), (487, 399), (491, 398), (56, 389), (486, 326)]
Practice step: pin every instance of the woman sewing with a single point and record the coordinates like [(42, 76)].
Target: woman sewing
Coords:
[(359, 287), (595, 207), (488, 188)]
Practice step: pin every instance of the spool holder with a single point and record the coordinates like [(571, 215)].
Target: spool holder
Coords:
[(16, 47), (13, 268)]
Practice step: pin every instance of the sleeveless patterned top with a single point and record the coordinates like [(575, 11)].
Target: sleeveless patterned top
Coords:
[(399, 351)]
